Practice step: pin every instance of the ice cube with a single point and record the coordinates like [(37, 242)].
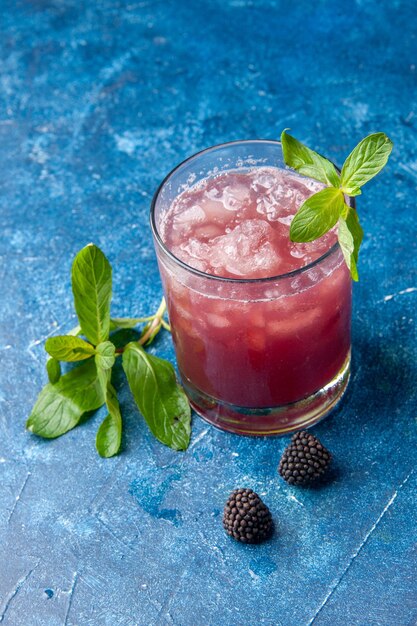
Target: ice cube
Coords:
[(187, 325), (235, 197), (213, 194), (190, 216), (281, 192), (198, 264), (193, 253), (277, 203), (195, 248), (296, 324), (239, 191), (214, 207), (245, 250), (282, 198), (182, 311), (231, 197), (263, 179), (218, 321), (286, 220), (208, 231), (266, 205)]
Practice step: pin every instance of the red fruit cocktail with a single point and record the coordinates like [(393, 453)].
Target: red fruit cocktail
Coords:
[(261, 325)]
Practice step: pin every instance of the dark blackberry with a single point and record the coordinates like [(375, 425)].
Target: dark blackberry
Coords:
[(305, 460), (246, 518)]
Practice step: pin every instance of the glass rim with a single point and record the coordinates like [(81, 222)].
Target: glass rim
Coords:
[(296, 272)]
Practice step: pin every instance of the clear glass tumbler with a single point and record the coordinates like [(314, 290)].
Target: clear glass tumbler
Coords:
[(256, 356)]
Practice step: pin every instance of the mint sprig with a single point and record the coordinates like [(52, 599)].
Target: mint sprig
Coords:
[(328, 207), (66, 398)]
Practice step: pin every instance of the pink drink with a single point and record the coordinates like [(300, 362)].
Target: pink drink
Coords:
[(237, 224), (258, 350)]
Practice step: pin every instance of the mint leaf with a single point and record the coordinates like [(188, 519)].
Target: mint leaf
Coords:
[(364, 162), (109, 435), (53, 369), (92, 287), (350, 243), (105, 355), (67, 348), (346, 242), (352, 221), (59, 407), (160, 399), (317, 215), (308, 162)]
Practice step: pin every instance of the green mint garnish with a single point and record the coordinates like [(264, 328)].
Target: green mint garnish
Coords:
[(160, 399), (92, 289), (109, 435), (308, 162), (105, 355), (65, 348), (350, 237), (66, 398), (60, 406), (364, 162), (326, 208), (53, 369), (317, 215)]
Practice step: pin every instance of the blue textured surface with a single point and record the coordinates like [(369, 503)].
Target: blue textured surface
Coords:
[(98, 102)]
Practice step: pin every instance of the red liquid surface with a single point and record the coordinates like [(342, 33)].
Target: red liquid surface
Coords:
[(261, 345)]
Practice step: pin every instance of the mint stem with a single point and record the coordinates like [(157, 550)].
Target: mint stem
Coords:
[(157, 322), (155, 325), (165, 325)]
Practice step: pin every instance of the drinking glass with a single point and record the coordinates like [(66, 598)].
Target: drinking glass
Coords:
[(256, 356)]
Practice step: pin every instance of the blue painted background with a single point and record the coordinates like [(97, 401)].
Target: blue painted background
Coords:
[(99, 100)]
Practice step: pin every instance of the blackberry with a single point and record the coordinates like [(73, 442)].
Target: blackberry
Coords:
[(304, 460), (246, 518)]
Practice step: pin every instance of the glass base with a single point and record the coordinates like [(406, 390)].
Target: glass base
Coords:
[(279, 420)]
